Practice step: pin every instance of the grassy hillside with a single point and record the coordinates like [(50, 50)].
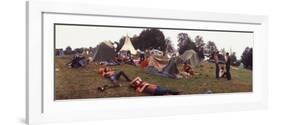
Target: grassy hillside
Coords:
[(83, 82)]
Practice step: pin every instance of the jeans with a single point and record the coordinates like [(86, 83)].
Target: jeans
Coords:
[(163, 91), (217, 70), (117, 76), (228, 75)]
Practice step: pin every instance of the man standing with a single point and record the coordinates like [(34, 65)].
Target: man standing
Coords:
[(227, 66), (142, 56), (216, 58)]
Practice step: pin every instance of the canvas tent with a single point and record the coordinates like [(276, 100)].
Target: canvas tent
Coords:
[(157, 62), (104, 51), (128, 46), (162, 66), (189, 56), (171, 69)]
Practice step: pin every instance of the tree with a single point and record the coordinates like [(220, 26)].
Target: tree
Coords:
[(68, 50), (234, 60), (247, 58), (199, 42), (211, 46), (150, 38), (168, 45), (233, 57), (79, 50), (185, 43)]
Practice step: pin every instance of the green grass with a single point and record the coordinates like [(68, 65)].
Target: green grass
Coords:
[(83, 82)]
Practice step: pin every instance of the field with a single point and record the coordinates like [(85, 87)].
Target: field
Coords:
[(82, 83)]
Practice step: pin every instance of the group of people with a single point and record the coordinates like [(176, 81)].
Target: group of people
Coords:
[(141, 86), (137, 83), (122, 58), (222, 71)]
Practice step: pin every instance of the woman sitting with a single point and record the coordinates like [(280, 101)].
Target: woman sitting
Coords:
[(141, 86), (112, 75), (188, 69)]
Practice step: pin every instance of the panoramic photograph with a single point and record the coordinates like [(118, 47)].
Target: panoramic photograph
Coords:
[(102, 61)]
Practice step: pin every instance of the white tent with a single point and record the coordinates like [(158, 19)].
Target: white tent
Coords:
[(128, 46)]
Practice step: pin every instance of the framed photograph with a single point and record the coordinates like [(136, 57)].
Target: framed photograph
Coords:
[(91, 62)]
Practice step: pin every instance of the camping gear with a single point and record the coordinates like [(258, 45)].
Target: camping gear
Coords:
[(104, 51), (171, 68), (158, 62), (77, 61), (156, 52), (162, 67), (128, 46), (189, 56)]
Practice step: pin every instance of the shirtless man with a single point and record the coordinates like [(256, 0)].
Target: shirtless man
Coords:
[(112, 75)]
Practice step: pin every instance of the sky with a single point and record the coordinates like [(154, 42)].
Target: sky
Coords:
[(86, 36)]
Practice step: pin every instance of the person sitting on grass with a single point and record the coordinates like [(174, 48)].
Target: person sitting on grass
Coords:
[(129, 60), (188, 69), (112, 75), (77, 62), (145, 87), (117, 59)]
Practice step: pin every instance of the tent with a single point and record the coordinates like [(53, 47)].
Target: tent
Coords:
[(157, 62), (104, 51), (189, 56), (128, 46), (171, 69), (162, 67)]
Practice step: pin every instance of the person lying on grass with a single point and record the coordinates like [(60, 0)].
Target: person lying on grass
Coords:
[(141, 86), (112, 75)]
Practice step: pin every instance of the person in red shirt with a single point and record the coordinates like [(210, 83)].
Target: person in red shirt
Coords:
[(188, 69)]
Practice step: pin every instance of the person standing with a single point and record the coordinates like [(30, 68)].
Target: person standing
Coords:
[(142, 56), (216, 59), (227, 66)]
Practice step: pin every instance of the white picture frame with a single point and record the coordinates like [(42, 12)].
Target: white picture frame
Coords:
[(41, 107)]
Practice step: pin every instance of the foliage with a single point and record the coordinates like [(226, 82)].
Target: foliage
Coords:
[(168, 45), (247, 58), (211, 46), (199, 43), (68, 50), (185, 43), (150, 39)]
